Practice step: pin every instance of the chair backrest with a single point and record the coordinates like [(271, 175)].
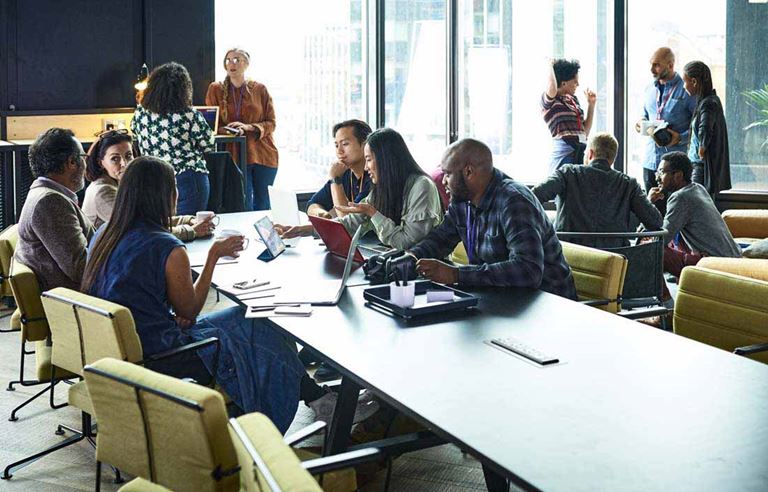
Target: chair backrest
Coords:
[(226, 182), (645, 263), (26, 293), (746, 267), (160, 428), (722, 309), (747, 223), (85, 329), (267, 464), (597, 274), (8, 239)]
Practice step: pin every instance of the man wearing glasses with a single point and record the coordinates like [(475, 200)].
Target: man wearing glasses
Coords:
[(690, 212), (53, 231)]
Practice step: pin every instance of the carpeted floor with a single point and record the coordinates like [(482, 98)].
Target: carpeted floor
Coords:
[(443, 468)]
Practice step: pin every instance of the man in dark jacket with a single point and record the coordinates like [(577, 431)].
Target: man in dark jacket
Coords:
[(597, 198)]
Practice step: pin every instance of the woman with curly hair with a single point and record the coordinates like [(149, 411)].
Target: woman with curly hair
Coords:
[(246, 108), (167, 126)]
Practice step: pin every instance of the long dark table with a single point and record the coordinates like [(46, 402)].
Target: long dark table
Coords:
[(630, 407)]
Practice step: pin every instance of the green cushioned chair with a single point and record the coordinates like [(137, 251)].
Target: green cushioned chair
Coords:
[(85, 329), (723, 309), (174, 434), (8, 239), (34, 330), (599, 275)]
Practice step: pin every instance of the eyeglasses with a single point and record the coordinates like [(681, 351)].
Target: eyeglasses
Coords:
[(660, 173), (112, 133), (236, 60)]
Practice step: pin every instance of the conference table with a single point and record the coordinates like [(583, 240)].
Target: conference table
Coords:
[(629, 407)]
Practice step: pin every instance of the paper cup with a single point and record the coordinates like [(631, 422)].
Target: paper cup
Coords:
[(402, 295)]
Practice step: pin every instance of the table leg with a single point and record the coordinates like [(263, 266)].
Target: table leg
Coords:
[(243, 158), (337, 439), (494, 482)]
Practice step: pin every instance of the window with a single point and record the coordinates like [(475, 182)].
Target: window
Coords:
[(309, 54), (504, 51), (415, 76)]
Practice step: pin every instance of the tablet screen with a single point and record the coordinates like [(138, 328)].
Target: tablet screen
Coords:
[(268, 234)]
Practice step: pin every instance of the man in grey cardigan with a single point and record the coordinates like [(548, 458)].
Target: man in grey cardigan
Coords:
[(692, 213), (53, 231)]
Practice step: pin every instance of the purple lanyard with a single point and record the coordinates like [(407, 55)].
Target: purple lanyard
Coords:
[(471, 234), (237, 102)]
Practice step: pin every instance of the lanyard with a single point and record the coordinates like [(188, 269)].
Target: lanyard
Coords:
[(575, 109), (352, 185), (238, 102), (664, 101), (471, 234)]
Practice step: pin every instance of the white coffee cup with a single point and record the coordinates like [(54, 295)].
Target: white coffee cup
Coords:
[(224, 233), (402, 295), (204, 215)]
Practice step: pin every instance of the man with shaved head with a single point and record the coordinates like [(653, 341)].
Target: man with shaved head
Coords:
[(508, 238), (665, 100)]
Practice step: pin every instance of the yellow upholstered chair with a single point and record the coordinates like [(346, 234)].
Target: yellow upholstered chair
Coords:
[(34, 330), (599, 275), (8, 239), (85, 329), (723, 309), (174, 434), (747, 226)]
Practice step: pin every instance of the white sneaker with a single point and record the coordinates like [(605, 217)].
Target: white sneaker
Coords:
[(325, 405)]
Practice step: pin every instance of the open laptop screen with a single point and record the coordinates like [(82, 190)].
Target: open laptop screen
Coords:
[(211, 115)]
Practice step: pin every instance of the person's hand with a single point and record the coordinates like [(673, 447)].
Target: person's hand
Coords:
[(357, 208), (184, 323), (591, 96), (239, 126), (655, 194), (639, 126), (675, 138), (438, 271), (290, 232), (337, 169), (204, 228), (227, 246)]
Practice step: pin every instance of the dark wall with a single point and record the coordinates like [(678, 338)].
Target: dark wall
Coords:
[(86, 54)]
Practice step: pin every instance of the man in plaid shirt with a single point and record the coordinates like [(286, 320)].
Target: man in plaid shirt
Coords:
[(508, 237)]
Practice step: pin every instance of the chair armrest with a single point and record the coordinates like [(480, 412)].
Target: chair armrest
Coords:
[(190, 347), (598, 302), (645, 313), (751, 349), (300, 435), (344, 460)]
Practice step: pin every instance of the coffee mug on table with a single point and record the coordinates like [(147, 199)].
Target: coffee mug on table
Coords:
[(402, 295), (204, 215), (233, 232)]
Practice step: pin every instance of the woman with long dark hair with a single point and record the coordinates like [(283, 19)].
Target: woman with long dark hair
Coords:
[(708, 149), (106, 162), (167, 126), (247, 108), (403, 205), (134, 261)]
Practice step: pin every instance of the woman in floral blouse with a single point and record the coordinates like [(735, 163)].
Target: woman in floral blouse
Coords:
[(167, 126)]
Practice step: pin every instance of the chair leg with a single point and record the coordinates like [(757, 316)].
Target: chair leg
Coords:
[(98, 476), (29, 400), (8, 472), (22, 381)]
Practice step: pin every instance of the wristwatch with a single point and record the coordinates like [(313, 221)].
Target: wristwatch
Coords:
[(338, 180)]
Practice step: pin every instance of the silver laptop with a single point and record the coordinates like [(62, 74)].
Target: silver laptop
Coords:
[(321, 292), (285, 210)]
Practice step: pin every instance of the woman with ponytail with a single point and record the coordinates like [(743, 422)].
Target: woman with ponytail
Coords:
[(708, 149), (246, 107)]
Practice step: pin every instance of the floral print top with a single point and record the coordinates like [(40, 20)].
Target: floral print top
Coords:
[(179, 138)]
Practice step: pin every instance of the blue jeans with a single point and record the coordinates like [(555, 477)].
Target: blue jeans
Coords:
[(194, 189), (258, 368), (257, 179)]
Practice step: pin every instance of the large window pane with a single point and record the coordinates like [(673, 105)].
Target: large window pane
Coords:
[(693, 33), (504, 50), (309, 54), (415, 76)]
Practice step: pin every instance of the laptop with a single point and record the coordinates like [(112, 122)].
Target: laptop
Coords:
[(337, 240), (285, 210), (323, 292), (211, 115)]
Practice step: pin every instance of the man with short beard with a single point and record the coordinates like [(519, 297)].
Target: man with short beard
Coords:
[(53, 231), (508, 238), (665, 100)]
